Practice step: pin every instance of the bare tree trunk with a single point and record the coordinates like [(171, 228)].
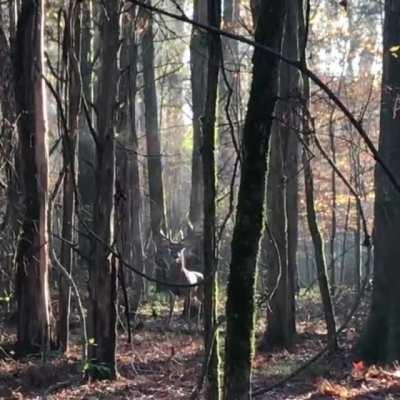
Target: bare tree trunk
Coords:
[(319, 253), (198, 64), (240, 305), (332, 241), (381, 338), (344, 243), (103, 273), (128, 182), (72, 41), (282, 201), (86, 145), (9, 138), (229, 92), (154, 165), (33, 296)]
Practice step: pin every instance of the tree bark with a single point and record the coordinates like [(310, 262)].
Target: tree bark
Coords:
[(154, 165), (12, 216), (319, 253), (332, 241), (33, 296), (229, 91), (72, 44), (128, 180), (86, 145), (282, 201), (103, 273), (198, 77), (240, 305), (211, 335), (318, 243), (381, 339)]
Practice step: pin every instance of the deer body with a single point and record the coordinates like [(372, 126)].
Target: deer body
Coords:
[(181, 275)]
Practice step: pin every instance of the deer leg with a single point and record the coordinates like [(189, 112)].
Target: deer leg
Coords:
[(188, 300), (171, 307), (199, 310)]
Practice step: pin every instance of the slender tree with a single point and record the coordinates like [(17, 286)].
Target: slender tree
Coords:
[(73, 97), (240, 305), (154, 165), (198, 66), (86, 145), (211, 336), (316, 236)]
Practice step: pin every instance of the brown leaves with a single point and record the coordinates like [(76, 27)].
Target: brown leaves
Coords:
[(364, 383)]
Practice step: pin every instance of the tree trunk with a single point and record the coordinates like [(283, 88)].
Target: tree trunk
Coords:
[(72, 41), (381, 339), (319, 253), (229, 98), (344, 243), (240, 305), (128, 182), (332, 241), (103, 274), (154, 165), (33, 296), (12, 216), (282, 202), (211, 337), (86, 145), (198, 76)]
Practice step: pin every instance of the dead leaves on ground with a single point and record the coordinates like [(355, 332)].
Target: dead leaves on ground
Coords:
[(364, 383)]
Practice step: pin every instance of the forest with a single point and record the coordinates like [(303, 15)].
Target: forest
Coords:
[(199, 199)]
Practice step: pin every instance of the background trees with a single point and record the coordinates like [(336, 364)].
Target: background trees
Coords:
[(162, 132)]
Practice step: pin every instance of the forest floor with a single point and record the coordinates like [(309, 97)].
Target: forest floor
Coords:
[(166, 363)]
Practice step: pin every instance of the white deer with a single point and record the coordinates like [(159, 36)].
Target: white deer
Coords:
[(181, 275)]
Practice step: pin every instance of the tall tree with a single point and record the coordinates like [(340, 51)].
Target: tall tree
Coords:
[(282, 200), (128, 219), (33, 297), (73, 97), (86, 145), (103, 273), (316, 236), (211, 336), (154, 165), (381, 339), (9, 139), (229, 97), (198, 66), (240, 305)]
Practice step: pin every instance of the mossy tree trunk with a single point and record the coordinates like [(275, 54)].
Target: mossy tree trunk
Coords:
[(211, 337), (240, 305), (381, 339)]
